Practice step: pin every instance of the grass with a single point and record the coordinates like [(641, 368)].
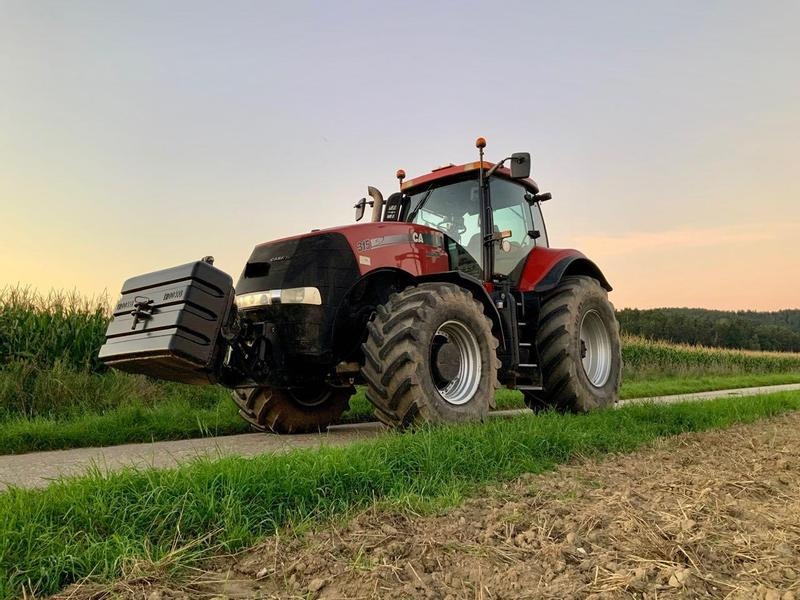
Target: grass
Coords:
[(213, 414), (174, 419), (666, 386), (61, 392), (98, 525), (187, 416)]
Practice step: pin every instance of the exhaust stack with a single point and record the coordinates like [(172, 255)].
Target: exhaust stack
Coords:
[(377, 203)]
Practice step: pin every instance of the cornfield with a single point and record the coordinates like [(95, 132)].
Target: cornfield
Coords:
[(643, 358), (60, 327)]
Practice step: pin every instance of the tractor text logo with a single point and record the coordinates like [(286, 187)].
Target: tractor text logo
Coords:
[(364, 245), (414, 237), (376, 242)]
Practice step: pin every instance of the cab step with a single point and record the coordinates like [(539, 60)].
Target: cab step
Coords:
[(529, 388)]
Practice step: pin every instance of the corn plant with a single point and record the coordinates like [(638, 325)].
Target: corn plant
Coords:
[(61, 326)]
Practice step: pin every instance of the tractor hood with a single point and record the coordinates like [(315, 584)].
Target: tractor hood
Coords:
[(332, 259), (323, 260)]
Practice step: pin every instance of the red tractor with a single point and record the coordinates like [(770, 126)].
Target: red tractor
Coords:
[(451, 290)]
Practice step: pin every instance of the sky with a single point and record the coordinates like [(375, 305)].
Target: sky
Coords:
[(136, 135)]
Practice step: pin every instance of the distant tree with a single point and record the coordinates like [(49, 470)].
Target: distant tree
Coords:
[(749, 330)]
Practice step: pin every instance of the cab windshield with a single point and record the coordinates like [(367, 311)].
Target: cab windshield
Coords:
[(453, 209)]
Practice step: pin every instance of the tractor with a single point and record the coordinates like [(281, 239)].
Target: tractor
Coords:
[(449, 291)]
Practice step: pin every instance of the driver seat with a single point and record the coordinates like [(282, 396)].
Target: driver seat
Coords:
[(474, 246)]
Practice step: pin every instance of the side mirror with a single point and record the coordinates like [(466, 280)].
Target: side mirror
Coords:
[(360, 207), (534, 198), (520, 165)]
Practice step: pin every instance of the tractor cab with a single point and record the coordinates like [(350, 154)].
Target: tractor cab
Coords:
[(490, 214), (511, 229)]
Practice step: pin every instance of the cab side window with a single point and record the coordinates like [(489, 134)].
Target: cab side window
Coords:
[(538, 225), (511, 213)]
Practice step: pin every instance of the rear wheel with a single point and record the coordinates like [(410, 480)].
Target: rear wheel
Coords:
[(579, 348), (430, 356), (292, 410)]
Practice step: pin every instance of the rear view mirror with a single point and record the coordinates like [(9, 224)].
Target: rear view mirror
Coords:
[(360, 207), (520, 165)]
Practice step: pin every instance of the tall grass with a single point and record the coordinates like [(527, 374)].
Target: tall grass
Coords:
[(63, 392), (60, 327)]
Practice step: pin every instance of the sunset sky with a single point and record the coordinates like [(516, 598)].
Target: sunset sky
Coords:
[(137, 135)]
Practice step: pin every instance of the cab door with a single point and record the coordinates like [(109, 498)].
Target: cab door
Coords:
[(512, 214), (455, 209)]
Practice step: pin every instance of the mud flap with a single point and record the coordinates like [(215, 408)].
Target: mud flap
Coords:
[(167, 324)]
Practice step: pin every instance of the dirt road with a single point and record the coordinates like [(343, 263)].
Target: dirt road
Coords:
[(40, 468), (710, 515)]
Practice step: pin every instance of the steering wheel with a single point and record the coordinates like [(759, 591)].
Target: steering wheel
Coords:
[(450, 225)]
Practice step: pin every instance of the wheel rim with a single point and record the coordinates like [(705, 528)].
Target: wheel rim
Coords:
[(595, 348), (458, 384), (309, 398)]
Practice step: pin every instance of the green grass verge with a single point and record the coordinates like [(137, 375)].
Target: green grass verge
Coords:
[(667, 386), (97, 524), (185, 417), (174, 419), (361, 409)]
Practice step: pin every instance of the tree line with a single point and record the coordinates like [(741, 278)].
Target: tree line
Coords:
[(749, 330)]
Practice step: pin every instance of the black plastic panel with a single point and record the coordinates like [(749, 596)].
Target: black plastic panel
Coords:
[(167, 323), (322, 260)]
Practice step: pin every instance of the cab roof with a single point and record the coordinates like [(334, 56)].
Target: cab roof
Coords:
[(440, 174)]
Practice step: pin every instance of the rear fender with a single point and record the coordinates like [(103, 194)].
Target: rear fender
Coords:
[(546, 267)]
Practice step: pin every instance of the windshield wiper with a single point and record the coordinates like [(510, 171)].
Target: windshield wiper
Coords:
[(419, 204)]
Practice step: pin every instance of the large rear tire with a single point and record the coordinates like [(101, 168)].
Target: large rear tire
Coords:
[(430, 357), (292, 411), (579, 348)]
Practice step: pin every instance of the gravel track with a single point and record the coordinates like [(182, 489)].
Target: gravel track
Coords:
[(40, 468)]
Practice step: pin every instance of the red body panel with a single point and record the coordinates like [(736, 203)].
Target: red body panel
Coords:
[(416, 249), (539, 263), (420, 250)]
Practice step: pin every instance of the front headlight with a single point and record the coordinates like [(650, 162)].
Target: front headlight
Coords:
[(301, 295)]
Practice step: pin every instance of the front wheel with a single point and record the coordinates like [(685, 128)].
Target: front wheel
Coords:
[(579, 348), (292, 410), (430, 357)]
